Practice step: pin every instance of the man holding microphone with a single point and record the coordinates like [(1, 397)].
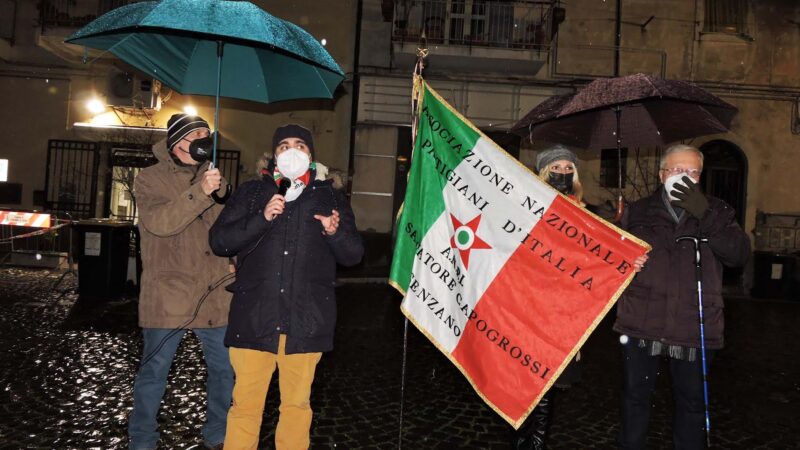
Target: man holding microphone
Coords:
[(181, 278), (288, 231)]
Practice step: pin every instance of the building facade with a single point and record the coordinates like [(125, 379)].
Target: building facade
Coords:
[(493, 60), (63, 156)]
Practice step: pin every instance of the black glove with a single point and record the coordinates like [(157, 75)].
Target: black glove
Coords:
[(690, 198)]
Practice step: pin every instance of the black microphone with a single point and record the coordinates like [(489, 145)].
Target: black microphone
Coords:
[(284, 186)]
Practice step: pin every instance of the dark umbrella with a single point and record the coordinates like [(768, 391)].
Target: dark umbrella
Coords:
[(635, 110), (222, 48), (647, 111)]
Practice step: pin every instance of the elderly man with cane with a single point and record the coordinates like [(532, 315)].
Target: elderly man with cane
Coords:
[(667, 312)]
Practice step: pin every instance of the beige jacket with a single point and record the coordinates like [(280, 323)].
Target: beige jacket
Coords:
[(177, 263)]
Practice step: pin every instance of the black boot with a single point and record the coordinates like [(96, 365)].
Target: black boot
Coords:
[(533, 432)]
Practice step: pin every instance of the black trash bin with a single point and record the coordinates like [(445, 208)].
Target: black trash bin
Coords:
[(775, 275), (102, 250)]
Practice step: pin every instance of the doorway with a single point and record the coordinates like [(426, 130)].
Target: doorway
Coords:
[(126, 163), (126, 160), (725, 177), (725, 174)]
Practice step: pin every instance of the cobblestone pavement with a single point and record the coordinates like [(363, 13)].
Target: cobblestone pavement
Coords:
[(66, 372)]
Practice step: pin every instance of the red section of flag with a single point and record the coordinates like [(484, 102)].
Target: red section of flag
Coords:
[(552, 289)]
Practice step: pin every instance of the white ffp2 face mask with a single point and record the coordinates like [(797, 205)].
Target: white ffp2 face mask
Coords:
[(669, 184), (293, 163)]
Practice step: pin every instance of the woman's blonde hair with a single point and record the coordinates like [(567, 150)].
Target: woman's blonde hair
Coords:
[(577, 188)]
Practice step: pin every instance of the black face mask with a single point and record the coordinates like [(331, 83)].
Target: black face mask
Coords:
[(200, 149), (562, 182)]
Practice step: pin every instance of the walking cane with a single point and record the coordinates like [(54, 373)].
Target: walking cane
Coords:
[(699, 275)]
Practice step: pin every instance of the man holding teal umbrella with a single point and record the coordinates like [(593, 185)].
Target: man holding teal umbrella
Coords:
[(181, 287)]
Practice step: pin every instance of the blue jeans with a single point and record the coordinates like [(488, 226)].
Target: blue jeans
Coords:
[(151, 382)]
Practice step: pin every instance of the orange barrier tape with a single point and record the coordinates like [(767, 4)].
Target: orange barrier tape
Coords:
[(25, 219), (33, 233)]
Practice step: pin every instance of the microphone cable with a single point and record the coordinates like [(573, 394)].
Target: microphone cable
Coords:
[(284, 185), (177, 330)]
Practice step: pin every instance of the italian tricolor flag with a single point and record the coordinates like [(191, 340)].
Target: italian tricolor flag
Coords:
[(503, 274)]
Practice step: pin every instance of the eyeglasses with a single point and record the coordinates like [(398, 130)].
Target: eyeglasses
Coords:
[(680, 171)]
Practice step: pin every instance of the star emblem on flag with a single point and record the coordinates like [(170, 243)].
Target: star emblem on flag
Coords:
[(465, 238)]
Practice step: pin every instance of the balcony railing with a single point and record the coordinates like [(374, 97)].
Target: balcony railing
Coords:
[(74, 13), (483, 23)]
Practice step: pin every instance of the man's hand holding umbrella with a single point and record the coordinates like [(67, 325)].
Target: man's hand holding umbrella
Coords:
[(212, 180)]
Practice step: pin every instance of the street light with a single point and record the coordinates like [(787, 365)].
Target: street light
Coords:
[(95, 106)]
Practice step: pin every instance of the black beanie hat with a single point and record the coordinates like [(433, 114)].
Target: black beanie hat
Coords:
[(293, 131), (179, 125)]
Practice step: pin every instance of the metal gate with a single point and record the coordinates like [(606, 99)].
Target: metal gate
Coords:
[(71, 180), (228, 163)]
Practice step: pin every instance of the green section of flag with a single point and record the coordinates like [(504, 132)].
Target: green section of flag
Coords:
[(443, 141)]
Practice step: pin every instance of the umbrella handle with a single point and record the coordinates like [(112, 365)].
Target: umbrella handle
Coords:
[(620, 209), (224, 198)]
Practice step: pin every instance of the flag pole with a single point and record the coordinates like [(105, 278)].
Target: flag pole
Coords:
[(422, 53), (416, 93), (402, 384)]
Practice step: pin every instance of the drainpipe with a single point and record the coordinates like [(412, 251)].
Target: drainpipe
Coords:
[(12, 39), (354, 104), (617, 36)]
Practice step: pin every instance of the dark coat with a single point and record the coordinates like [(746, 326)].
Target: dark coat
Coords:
[(286, 268), (661, 302)]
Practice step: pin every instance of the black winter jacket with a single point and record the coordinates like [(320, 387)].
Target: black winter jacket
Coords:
[(661, 302), (286, 268)]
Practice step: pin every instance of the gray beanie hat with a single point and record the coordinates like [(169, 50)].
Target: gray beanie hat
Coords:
[(554, 153)]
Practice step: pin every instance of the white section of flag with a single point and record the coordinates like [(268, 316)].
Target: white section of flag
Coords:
[(484, 264)]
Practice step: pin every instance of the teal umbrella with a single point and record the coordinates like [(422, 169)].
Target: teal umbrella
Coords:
[(223, 48)]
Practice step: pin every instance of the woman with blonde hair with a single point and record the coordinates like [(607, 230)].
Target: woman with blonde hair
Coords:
[(557, 166)]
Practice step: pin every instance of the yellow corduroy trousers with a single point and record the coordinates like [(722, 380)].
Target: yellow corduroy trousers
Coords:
[(254, 371)]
